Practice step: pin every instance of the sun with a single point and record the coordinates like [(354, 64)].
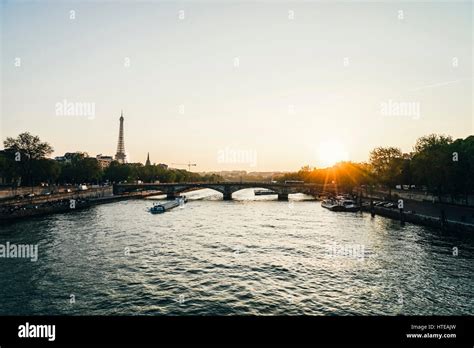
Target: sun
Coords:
[(330, 152)]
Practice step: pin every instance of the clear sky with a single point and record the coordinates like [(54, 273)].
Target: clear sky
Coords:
[(237, 85)]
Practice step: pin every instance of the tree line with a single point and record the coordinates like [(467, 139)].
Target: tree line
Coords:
[(24, 162), (438, 164)]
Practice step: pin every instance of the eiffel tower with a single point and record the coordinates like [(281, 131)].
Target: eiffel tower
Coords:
[(120, 156)]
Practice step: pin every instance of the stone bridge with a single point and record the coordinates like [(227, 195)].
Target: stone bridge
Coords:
[(173, 190)]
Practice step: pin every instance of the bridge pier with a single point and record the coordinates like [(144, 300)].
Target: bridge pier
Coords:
[(227, 194), (116, 190), (283, 196), (171, 194)]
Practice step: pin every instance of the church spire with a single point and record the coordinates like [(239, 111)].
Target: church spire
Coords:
[(148, 163)]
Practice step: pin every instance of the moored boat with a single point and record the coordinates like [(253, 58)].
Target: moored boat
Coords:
[(340, 203), (331, 204)]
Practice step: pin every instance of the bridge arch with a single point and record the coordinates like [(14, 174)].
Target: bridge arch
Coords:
[(281, 193), (225, 188), (188, 187)]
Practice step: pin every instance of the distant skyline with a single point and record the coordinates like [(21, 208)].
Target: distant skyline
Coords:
[(240, 85)]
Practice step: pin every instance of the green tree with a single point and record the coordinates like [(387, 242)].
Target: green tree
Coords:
[(117, 172), (387, 164), (89, 170), (45, 170), (29, 145), (431, 160), (460, 169), (10, 171), (27, 149)]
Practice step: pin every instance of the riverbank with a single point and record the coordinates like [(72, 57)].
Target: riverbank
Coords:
[(438, 215), (27, 209)]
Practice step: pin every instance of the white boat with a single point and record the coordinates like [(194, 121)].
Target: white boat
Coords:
[(331, 204), (349, 205), (340, 203)]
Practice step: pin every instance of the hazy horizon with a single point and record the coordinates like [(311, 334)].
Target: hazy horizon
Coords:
[(281, 86)]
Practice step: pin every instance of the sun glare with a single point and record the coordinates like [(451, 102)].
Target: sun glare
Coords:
[(330, 152)]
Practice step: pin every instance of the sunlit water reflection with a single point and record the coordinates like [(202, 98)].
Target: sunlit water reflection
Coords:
[(253, 255)]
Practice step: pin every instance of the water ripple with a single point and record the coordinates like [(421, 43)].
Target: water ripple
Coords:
[(249, 256)]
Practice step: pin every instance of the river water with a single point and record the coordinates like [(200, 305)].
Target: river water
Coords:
[(252, 255)]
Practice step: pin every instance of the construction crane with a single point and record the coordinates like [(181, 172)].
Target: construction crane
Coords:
[(189, 164)]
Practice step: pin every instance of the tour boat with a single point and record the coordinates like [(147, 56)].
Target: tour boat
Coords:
[(157, 209), (161, 208)]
